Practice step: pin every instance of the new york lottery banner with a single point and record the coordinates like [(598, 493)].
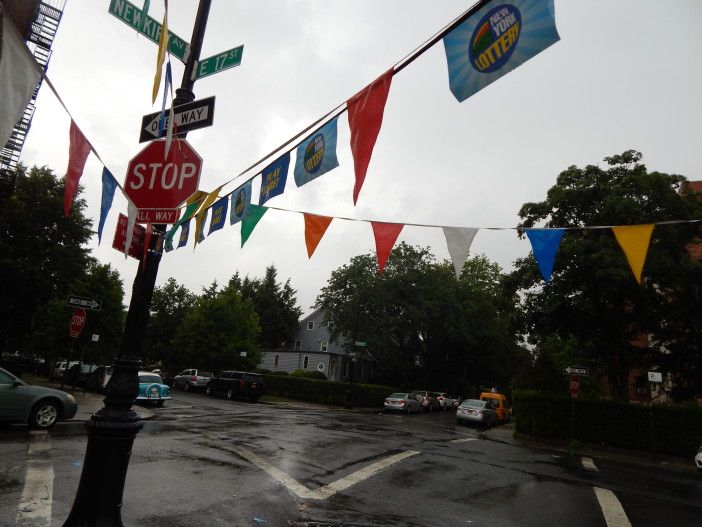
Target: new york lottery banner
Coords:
[(495, 40)]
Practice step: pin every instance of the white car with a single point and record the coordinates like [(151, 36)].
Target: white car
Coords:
[(444, 400), (698, 459)]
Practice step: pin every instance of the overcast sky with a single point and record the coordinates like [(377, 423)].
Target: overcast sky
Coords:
[(625, 74)]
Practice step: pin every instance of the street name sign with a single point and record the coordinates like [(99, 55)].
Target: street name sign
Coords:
[(360, 344), (157, 181), (147, 26), (220, 62), (655, 376), (186, 117), (77, 322), (87, 303), (575, 370)]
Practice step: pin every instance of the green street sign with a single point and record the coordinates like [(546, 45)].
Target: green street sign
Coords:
[(360, 344), (147, 26), (220, 62)]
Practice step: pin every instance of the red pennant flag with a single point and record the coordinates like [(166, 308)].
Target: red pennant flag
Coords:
[(365, 117), (385, 237), (77, 154), (315, 227)]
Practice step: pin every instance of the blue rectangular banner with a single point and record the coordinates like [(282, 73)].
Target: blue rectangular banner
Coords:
[(219, 213), (184, 232), (495, 40), (316, 155), (241, 201), (273, 178)]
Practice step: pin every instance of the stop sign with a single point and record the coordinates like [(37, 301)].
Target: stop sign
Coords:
[(157, 181), (77, 321), (574, 386)]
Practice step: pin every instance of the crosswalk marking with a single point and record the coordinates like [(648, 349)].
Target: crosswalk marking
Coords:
[(37, 494), (611, 508), (589, 464)]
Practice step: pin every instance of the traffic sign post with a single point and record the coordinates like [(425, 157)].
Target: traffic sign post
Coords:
[(86, 303), (186, 118), (220, 62)]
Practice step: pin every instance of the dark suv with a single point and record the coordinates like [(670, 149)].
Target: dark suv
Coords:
[(236, 384)]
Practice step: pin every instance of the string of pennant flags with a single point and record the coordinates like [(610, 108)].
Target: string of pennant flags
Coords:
[(481, 45)]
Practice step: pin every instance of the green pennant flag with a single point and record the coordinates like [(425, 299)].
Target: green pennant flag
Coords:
[(187, 214), (248, 224)]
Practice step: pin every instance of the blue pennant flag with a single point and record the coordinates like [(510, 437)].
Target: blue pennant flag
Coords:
[(241, 201), (168, 245), (544, 245), (316, 155), (184, 232), (109, 183), (495, 40), (273, 178), (219, 214)]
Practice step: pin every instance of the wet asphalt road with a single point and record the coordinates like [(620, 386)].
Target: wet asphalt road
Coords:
[(211, 462)]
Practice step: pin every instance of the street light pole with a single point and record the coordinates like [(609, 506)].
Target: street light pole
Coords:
[(112, 430)]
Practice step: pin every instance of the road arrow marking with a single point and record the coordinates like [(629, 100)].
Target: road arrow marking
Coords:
[(322, 493)]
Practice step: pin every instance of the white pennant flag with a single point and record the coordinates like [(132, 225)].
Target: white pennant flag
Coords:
[(19, 75), (131, 220), (458, 240)]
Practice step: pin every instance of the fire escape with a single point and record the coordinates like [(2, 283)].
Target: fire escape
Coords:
[(43, 30)]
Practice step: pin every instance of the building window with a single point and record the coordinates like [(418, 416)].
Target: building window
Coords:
[(275, 361), (310, 324), (298, 345), (323, 345), (305, 362)]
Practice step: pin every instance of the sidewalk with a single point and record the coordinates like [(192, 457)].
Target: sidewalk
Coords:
[(505, 434), (88, 402)]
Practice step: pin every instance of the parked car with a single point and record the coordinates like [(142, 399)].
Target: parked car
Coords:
[(59, 368), (500, 404), (698, 459), (152, 389), (192, 379), (233, 384), (402, 402), (476, 411), (38, 406), (444, 400), (97, 380), (427, 399)]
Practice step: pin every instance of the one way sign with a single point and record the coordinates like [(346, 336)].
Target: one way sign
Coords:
[(83, 302), (187, 117)]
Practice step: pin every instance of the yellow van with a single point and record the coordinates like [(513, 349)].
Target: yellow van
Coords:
[(499, 403)]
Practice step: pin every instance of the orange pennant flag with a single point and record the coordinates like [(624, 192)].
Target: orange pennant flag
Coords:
[(315, 227), (634, 241), (385, 237)]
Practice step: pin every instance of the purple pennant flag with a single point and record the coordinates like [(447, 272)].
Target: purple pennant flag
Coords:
[(109, 183), (544, 245)]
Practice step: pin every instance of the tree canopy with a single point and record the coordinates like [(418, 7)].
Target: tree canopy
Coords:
[(593, 305)]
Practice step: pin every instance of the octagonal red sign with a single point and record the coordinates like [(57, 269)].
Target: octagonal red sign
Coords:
[(157, 181)]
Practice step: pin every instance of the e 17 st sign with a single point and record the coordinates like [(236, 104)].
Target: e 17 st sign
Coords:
[(158, 183)]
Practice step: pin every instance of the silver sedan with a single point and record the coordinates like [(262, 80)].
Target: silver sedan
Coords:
[(476, 411), (402, 402)]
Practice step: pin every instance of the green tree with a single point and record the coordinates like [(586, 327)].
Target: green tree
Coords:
[(41, 252), (214, 333), (420, 323), (169, 306), (593, 299), (274, 302)]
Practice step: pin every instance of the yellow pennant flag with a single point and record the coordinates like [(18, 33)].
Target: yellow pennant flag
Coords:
[(162, 47), (202, 212), (634, 241)]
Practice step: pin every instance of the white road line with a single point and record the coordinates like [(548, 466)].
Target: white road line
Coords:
[(37, 495), (589, 464), (463, 440), (326, 491), (611, 508)]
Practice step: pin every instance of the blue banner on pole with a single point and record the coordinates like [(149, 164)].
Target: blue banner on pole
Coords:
[(109, 183), (273, 178), (495, 40), (241, 201), (219, 213), (316, 155), (544, 245)]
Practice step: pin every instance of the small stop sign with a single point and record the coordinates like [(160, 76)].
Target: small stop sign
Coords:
[(157, 181), (574, 386), (77, 321)]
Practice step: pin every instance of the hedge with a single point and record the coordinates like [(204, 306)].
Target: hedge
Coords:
[(326, 392), (677, 430)]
